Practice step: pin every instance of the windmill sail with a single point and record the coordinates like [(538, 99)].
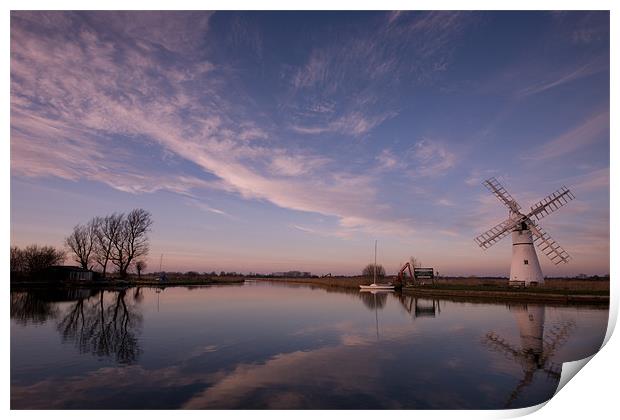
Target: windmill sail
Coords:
[(551, 203), (496, 233), (548, 245), (502, 194)]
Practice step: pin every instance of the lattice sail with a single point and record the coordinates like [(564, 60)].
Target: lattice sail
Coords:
[(551, 203), (502, 194), (496, 233), (547, 245)]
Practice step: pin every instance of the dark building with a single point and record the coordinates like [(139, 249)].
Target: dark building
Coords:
[(69, 273)]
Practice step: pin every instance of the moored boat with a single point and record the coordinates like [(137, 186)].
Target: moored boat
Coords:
[(374, 285)]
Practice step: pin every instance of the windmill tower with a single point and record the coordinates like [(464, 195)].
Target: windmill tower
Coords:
[(537, 348), (525, 268)]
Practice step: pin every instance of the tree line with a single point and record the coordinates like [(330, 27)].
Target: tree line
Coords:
[(369, 269), (117, 240), (34, 259)]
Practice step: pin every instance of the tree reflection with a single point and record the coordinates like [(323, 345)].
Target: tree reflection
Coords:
[(27, 308), (374, 300), (106, 325)]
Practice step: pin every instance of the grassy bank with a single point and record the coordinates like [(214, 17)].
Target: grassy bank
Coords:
[(134, 281), (567, 291), (510, 294), (339, 282)]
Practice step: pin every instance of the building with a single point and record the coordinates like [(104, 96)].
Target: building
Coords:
[(69, 273)]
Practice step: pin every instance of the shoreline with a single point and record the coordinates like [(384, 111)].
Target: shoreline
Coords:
[(127, 283), (540, 296), (475, 292), (442, 289)]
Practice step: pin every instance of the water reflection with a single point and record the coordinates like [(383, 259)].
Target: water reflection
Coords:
[(104, 327), (374, 299), (283, 346), (420, 307), (536, 349), (103, 323), (27, 308)]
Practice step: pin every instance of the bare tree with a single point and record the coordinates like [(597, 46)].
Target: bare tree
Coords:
[(18, 262), (369, 271), (415, 263), (35, 258), (131, 241), (108, 228), (82, 241), (140, 266)]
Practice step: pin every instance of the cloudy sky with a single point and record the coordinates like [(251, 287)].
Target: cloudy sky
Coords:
[(275, 141)]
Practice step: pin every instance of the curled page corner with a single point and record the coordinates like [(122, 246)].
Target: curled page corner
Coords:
[(521, 412), (613, 317), (570, 369)]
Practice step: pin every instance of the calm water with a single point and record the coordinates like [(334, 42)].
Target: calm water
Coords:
[(260, 345)]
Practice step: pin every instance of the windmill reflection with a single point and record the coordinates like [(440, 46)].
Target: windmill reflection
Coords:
[(537, 348), (105, 325)]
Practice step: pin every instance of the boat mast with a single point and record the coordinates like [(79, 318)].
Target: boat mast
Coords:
[(374, 276)]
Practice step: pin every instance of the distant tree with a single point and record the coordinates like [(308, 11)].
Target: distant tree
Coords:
[(140, 266), (415, 263), (369, 271), (35, 258), (132, 241), (18, 262), (82, 242), (108, 228)]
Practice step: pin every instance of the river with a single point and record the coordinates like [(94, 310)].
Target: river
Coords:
[(266, 345)]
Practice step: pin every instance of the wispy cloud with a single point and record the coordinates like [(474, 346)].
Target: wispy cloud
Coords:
[(432, 158), (354, 124), (591, 181), (591, 130), (446, 202), (79, 102), (585, 70), (360, 76), (205, 207), (389, 161)]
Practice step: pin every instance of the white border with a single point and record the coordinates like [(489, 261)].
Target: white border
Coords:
[(591, 396)]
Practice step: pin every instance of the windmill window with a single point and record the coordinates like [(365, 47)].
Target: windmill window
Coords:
[(525, 262)]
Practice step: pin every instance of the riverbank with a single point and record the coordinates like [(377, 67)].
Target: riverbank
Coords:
[(146, 281), (565, 291), (530, 295)]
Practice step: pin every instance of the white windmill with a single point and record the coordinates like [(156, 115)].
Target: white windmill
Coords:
[(525, 268)]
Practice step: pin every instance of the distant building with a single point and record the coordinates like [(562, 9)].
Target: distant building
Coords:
[(69, 273), (292, 274)]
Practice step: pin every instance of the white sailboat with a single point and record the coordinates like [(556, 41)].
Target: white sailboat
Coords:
[(375, 285)]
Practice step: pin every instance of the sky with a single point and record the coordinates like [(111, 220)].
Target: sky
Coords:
[(273, 141)]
